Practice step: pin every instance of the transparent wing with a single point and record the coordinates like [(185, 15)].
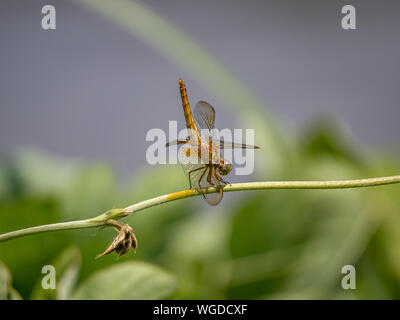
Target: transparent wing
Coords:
[(200, 175), (174, 142), (191, 164), (232, 145), (209, 180), (204, 115)]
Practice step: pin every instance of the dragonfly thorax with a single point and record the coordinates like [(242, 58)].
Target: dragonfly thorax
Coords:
[(209, 154)]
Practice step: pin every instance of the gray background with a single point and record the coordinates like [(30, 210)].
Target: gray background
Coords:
[(90, 90)]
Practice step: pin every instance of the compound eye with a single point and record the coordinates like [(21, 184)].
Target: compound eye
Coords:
[(225, 169)]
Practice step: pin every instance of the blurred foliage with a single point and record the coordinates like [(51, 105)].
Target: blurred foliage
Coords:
[(7, 292), (279, 244), (128, 280), (259, 245), (67, 266)]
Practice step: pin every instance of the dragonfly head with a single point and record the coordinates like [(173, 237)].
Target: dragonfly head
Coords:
[(224, 168)]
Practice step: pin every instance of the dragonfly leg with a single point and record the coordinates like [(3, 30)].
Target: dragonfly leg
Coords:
[(218, 187), (219, 178), (202, 175), (223, 181), (190, 172), (209, 177)]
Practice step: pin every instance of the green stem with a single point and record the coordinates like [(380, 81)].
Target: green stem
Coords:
[(102, 219), (79, 224)]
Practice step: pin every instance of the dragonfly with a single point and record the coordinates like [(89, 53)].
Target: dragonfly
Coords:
[(204, 166)]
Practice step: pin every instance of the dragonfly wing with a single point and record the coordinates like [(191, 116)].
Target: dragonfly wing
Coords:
[(232, 145), (191, 164), (209, 180), (204, 115), (174, 142)]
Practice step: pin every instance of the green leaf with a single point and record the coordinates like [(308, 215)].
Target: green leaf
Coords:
[(129, 280), (82, 189), (67, 266), (196, 253), (41, 174), (327, 137), (27, 255)]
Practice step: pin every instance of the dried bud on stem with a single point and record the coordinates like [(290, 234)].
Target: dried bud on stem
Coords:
[(123, 242)]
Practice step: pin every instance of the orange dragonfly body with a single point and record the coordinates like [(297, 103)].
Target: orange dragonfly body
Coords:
[(203, 163)]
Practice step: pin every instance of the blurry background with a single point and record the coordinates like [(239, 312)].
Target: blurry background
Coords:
[(77, 102)]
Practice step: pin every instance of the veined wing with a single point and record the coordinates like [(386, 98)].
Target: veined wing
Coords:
[(176, 142), (200, 175), (209, 180), (222, 144), (192, 140), (191, 163), (232, 145), (204, 115)]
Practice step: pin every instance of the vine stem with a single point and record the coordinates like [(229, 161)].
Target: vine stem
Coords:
[(102, 219)]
